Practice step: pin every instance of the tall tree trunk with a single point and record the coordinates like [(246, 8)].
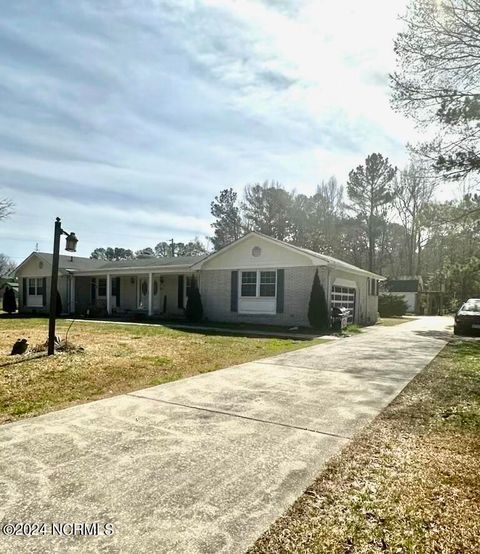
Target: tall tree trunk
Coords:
[(371, 249), (411, 252), (419, 255), (371, 243)]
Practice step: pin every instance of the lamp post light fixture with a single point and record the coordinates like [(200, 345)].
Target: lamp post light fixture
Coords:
[(71, 246)]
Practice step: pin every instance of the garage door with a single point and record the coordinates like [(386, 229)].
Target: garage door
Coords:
[(344, 297)]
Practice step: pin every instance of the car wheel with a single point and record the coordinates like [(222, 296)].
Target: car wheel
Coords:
[(456, 330)]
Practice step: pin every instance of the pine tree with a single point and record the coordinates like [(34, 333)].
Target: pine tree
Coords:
[(194, 309), (9, 301), (318, 315), (227, 224), (268, 208), (370, 188)]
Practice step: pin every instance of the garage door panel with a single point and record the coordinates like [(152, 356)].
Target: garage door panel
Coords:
[(343, 297)]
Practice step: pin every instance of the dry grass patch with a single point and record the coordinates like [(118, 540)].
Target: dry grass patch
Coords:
[(409, 484), (116, 359)]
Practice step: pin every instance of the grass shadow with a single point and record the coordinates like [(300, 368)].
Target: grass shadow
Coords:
[(440, 335), (36, 356)]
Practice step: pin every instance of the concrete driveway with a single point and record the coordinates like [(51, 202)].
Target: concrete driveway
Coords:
[(205, 464)]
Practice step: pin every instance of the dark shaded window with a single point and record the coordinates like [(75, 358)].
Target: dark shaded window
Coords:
[(249, 283), (188, 285), (35, 287), (102, 287), (267, 283)]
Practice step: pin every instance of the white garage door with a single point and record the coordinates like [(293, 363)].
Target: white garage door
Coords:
[(344, 297)]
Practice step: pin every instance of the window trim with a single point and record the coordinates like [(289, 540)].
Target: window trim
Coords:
[(258, 273), (38, 285), (37, 299)]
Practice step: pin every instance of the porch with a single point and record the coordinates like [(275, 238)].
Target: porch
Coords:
[(160, 294)]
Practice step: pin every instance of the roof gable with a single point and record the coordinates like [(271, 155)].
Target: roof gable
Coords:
[(226, 258), (65, 264), (256, 250)]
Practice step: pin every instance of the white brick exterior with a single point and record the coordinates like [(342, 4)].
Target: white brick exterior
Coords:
[(216, 294), (214, 276)]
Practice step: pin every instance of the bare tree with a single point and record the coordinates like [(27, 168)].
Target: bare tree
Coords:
[(326, 207), (6, 265), (414, 192), (438, 79), (6, 208)]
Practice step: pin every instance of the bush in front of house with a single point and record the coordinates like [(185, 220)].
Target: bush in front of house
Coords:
[(391, 305), (194, 309), (318, 314), (9, 301)]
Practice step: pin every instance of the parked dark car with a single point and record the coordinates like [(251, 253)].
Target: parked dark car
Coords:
[(467, 319)]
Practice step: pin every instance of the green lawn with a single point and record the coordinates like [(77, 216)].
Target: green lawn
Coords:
[(116, 359), (409, 484)]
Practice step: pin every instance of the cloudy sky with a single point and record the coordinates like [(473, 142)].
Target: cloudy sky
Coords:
[(126, 117)]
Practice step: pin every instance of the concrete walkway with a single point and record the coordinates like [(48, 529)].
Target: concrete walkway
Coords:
[(205, 464)]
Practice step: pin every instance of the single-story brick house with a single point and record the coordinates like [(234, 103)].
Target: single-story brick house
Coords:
[(256, 279)]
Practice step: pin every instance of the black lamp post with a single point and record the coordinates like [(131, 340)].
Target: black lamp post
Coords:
[(71, 246)]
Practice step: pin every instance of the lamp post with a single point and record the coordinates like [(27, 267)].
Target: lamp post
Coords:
[(71, 244)]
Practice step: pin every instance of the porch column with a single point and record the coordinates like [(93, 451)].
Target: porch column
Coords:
[(150, 294), (109, 294), (72, 294)]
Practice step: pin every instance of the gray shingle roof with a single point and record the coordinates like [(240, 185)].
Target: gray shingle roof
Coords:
[(153, 262), (77, 263), (72, 262), (403, 285)]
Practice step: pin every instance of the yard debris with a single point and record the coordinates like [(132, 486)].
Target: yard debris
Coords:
[(60, 345), (20, 347)]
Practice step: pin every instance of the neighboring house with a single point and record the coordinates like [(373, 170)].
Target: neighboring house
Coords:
[(256, 279), (419, 300), (408, 287)]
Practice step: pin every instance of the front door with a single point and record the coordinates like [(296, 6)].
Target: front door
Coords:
[(143, 293), (157, 287)]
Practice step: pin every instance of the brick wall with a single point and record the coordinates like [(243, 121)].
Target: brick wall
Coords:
[(215, 290)]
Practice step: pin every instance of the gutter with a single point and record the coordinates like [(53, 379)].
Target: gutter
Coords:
[(130, 270)]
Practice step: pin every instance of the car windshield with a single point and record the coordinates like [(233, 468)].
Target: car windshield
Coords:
[(471, 306)]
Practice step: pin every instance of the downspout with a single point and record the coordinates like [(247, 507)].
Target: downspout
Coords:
[(329, 288)]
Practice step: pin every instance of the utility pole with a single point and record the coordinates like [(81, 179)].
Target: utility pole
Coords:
[(173, 247)]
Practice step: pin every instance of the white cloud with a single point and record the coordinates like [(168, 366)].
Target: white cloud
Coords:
[(133, 114)]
